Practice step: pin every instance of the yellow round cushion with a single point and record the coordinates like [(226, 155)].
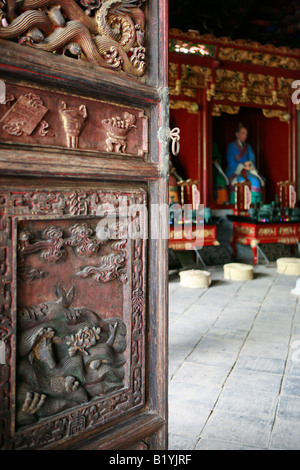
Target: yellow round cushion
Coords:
[(288, 266), (238, 271), (195, 278)]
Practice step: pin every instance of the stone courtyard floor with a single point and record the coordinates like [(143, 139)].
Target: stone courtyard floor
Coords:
[(234, 363)]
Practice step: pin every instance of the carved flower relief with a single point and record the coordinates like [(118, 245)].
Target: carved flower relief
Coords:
[(84, 339)]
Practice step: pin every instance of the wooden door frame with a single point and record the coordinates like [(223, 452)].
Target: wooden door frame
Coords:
[(28, 67)]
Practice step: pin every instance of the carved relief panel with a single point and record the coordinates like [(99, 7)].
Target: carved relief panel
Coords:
[(107, 33), (41, 118), (74, 326)]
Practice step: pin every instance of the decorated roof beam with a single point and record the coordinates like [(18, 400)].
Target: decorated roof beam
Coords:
[(233, 73)]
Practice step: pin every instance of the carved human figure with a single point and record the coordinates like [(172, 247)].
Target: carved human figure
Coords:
[(66, 357)]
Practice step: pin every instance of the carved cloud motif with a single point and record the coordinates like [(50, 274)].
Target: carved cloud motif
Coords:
[(53, 249)]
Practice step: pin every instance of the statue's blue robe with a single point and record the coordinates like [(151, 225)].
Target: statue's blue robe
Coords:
[(237, 154)]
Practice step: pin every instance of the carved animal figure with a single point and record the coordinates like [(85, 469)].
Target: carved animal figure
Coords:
[(66, 356), (105, 39)]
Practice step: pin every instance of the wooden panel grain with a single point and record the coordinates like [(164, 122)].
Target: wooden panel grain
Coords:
[(49, 195), (129, 432), (63, 73)]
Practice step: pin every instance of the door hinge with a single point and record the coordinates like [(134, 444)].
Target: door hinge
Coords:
[(165, 134)]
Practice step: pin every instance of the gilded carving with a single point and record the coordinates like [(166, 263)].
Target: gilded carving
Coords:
[(266, 232), (173, 72), (260, 84), (258, 58), (73, 121), (270, 101), (209, 233), (286, 230), (110, 33), (288, 240), (229, 80), (258, 99), (242, 240), (195, 76), (218, 109), (24, 115), (221, 83), (282, 115), (190, 106), (284, 86), (117, 130), (250, 231)]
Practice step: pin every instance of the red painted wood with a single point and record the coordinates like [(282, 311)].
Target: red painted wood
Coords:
[(275, 159), (260, 233), (205, 237)]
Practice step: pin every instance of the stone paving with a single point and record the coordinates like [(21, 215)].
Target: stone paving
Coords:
[(234, 363)]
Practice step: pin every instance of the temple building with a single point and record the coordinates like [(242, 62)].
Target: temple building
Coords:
[(221, 85), (234, 71)]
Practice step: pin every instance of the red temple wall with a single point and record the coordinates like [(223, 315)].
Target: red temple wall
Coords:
[(274, 153), (189, 141)]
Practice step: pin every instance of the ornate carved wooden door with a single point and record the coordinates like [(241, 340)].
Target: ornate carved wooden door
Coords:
[(84, 162)]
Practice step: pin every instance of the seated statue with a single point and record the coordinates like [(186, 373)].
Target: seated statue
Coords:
[(242, 166)]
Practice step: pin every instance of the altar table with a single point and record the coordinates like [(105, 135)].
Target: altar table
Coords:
[(206, 236), (255, 233)]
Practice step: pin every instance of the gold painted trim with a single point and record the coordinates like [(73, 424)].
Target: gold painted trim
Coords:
[(190, 106)]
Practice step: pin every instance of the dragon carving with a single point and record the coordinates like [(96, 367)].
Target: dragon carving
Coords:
[(109, 33)]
